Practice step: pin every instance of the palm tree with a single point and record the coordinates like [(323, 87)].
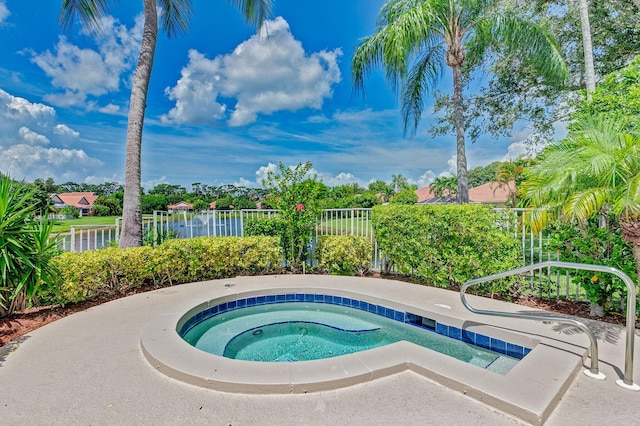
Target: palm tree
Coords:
[(589, 69), (596, 169), (587, 45), (444, 186), (414, 37), (175, 19)]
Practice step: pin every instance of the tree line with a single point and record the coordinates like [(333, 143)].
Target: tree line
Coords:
[(234, 197)]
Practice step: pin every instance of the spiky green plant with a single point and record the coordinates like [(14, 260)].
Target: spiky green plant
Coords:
[(25, 248)]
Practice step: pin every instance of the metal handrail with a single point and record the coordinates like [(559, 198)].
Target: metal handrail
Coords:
[(627, 381)]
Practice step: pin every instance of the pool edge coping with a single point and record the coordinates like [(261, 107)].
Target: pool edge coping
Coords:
[(530, 391)]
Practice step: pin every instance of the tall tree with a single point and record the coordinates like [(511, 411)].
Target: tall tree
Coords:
[(175, 16), (414, 37), (514, 95)]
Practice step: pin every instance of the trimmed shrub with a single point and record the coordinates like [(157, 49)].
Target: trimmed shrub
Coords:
[(445, 244), (344, 254), (108, 271), (91, 273)]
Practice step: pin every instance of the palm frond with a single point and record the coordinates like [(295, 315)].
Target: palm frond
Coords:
[(255, 11), (534, 42), (90, 12), (175, 15), (404, 28)]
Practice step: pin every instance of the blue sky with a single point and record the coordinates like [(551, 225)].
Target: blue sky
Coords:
[(224, 104)]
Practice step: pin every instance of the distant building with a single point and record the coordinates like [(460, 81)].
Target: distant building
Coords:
[(180, 207), (83, 201), (490, 193)]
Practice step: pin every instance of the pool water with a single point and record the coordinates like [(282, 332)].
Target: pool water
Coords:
[(287, 332)]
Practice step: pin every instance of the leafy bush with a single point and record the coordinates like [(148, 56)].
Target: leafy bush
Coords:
[(596, 246), (25, 248), (70, 211), (273, 227), (99, 210), (294, 191), (445, 244), (344, 254), (112, 270), (406, 196)]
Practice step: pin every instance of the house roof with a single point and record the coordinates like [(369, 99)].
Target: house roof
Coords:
[(180, 205), (489, 193), (492, 193), (81, 200), (425, 193)]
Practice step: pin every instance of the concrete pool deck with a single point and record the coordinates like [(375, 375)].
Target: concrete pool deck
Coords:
[(89, 368)]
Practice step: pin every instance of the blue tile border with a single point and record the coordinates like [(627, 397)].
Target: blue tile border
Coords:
[(469, 337)]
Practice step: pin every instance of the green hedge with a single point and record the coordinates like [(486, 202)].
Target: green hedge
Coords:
[(344, 254), (445, 244), (112, 270)]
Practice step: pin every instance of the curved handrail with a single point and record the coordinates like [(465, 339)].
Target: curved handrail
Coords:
[(627, 381)]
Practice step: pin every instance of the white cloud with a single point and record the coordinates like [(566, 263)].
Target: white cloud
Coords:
[(64, 130), (97, 180), (245, 183), (269, 72), (340, 179), (4, 12), (31, 137), (515, 150), (27, 132), (82, 72), (426, 178), (30, 162), (110, 109), (152, 183), (19, 110), (261, 173)]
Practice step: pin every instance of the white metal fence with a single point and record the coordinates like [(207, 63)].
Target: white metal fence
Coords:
[(164, 225)]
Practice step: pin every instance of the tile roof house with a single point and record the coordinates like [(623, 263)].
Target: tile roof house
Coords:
[(489, 193), (493, 193), (83, 201), (180, 207)]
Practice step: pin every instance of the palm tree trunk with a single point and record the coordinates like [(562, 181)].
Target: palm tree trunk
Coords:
[(589, 70), (131, 212), (463, 186)]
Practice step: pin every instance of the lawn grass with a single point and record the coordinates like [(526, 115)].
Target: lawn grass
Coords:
[(61, 226), (359, 226)]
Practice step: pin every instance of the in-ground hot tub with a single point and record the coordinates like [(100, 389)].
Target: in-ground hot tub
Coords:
[(294, 327), (542, 371)]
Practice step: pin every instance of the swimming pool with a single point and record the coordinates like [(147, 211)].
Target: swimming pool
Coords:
[(292, 327)]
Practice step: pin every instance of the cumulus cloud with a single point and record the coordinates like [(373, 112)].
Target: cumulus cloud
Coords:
[(269, 72), (31, 137), (64, 130), (263, 171), (19, 110), (31, 162), (110, 109), (82, 72), (28, 132), (426, 178), (152, 183), (339, 179), (515, 150), (4, 12), (328, 179)]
